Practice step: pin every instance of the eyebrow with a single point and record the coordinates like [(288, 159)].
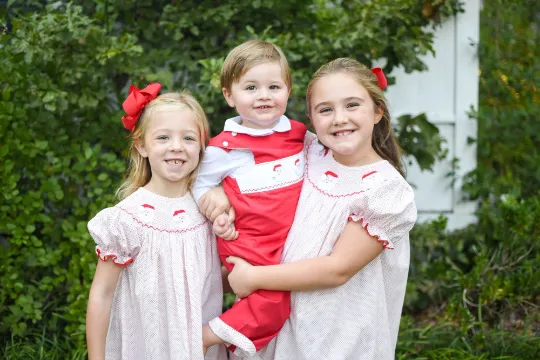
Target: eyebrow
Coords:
[(326, 103), (255, 81), (188, 131)]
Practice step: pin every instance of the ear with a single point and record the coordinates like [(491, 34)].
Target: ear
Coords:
[(228, 96), (139, 145), (379, 112)]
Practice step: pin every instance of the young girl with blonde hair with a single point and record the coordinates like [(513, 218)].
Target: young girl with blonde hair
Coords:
[(158, 277), (347, 254)]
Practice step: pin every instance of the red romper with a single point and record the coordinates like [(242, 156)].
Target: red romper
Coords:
[(265, 201)]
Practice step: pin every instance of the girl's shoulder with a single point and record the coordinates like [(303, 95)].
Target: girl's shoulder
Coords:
[(386, 209)]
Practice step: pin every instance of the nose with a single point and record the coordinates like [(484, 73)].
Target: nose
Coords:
[(340, 117), (176, 145), (263, 94)]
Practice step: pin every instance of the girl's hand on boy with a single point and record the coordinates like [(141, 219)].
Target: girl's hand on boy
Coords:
[(213, 203), (224, 226), (240, 277)]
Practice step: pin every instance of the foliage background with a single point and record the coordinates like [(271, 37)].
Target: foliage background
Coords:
[(64, 73)]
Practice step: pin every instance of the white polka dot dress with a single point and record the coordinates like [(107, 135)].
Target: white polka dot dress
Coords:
[(360, 319), (171, 282)]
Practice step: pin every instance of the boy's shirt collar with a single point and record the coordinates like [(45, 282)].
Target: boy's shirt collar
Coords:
[(233, 125)]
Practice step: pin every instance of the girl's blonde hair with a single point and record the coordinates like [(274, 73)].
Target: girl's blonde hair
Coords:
[(139, 171), (383, 139)]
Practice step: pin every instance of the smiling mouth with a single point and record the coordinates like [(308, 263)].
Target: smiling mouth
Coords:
[(174, 162), (343, 133), (263, 107)]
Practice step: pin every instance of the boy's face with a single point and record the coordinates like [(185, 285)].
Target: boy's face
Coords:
[(260, 96)]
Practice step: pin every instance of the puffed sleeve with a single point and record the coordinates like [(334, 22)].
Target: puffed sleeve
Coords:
[(387, 211), (116, 236)]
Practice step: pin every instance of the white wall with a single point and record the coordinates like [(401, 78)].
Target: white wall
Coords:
[(445, 93)]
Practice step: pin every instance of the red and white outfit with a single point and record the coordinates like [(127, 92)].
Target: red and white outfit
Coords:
[(171, 282), (360, 319), (259, 171)]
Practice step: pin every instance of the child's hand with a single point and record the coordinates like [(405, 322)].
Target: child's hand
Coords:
[(224, 226), (213, 203), (239, 278)]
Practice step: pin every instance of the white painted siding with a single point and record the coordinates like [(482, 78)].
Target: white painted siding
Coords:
[(446, 93)]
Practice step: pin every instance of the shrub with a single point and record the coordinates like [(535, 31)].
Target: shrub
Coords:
[(65, 71)]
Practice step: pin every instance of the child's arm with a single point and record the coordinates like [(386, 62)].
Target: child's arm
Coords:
[(354, 249), (99, 307), (216, 165)]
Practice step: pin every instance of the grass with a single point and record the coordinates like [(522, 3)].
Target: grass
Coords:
[(38, 347)]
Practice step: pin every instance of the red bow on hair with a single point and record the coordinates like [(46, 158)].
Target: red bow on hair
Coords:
[(136, 101), (381, 79)]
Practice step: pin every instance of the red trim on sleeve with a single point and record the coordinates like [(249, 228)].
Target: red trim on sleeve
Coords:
[(365, 226), (113, 257)]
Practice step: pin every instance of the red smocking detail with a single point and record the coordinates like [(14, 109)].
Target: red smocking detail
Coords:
[(365, 226), (162, 230), (369, 173), (315, 186), (271, 187), (113, 257)]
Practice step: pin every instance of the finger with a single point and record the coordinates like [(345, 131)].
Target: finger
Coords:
[(222, 219), (223, 208), (203, 203), (230, 234), (215, 213), (231, 215), (208, 212), (231, 259)]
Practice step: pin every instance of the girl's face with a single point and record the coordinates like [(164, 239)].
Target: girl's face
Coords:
[(172, 146), (343, 115)]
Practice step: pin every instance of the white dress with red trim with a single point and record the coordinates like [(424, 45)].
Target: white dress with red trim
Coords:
[(360, 319), (171, 281)]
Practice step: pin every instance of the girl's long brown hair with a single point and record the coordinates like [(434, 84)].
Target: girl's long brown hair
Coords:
[(139, 171), (383, 139)]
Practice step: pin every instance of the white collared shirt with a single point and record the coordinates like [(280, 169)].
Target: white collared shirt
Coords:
[(217, 163)]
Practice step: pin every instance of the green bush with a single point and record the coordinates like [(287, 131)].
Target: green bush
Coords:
[(65, 71)]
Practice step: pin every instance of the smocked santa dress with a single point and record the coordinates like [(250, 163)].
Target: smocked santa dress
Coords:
[(360, 319), (171, 282), (263, 180)]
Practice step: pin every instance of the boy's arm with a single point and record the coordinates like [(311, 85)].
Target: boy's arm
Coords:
[(354, 249), (99, 307), (216, 165)]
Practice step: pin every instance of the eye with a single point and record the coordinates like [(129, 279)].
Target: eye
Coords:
[(324, 110), (275, 87), (162, 137), (190, 138), (250, 87), (352, 105)]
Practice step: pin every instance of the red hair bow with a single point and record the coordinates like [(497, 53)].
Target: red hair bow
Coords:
[(136, 101), (381, 79)]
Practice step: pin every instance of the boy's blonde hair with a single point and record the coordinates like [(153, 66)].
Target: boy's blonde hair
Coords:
[(250, 54), (139, 172)]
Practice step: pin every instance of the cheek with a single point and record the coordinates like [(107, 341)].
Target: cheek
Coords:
[(318, 122), (195, 152)]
